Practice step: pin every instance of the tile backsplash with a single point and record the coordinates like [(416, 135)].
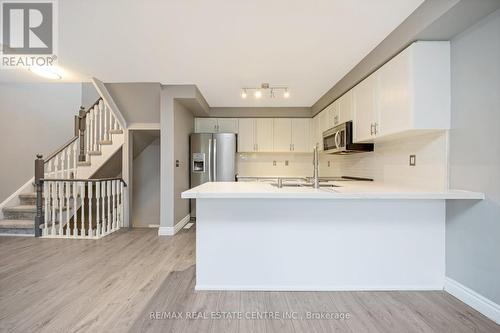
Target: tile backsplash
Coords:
[(388, 163)]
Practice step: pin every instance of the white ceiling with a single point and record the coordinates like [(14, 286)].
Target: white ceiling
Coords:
[(222, 45)]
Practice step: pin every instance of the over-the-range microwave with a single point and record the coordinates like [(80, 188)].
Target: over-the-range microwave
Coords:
[(338, 140)]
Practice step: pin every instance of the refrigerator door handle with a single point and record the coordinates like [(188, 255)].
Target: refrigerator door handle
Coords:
[(209, 160), (215, 160)]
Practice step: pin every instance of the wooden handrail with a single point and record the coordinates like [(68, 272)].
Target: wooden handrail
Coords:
[(93, 105), (52, 155), (73, 139), (93, 180)]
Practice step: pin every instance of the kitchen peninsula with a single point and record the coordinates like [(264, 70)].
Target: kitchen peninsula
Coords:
[(351, 236)]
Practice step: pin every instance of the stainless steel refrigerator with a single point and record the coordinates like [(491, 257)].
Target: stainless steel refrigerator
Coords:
[(212, 159)]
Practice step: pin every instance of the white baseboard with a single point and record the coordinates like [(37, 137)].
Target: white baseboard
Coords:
[(170, 231), (317, 288), (480, 303)]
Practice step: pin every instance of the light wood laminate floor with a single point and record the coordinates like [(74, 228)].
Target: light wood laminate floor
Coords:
[(116, 283)]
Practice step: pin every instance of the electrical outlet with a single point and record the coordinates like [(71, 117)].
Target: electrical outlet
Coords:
[(274, 163), (177, 163), (413, 160), (286, 163), (328, 163)]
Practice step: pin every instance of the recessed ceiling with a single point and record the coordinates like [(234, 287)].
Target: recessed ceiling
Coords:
[(222, 45)]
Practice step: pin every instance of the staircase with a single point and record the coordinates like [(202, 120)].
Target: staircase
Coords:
[(71, 203)]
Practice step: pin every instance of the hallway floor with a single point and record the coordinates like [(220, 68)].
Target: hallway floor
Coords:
[(138, 282)]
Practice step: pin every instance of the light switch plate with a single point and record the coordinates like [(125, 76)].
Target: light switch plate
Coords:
[(286, 162), (413, 160), (274, 163)]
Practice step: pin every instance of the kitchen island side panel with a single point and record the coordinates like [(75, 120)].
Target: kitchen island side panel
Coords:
[(298, 244)]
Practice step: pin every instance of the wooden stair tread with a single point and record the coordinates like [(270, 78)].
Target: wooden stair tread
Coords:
[(26, 209), (21, 209), (17, 224)]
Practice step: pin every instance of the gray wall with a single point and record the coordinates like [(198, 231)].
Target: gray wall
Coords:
[(146, 186), (89, 94), (139, 102), (473, 228), (261, 112), (34, 118), (183, 126)]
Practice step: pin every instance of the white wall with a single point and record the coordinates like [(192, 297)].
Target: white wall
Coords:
[(473, 228), (146, 187), (389, 163), (34, 118)]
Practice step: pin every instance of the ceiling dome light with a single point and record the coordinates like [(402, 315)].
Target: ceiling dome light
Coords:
[(48, 72), (258, 94), (286, 94), (244, 94)]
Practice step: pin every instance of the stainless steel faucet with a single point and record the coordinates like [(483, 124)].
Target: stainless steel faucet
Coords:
[(316, 167)]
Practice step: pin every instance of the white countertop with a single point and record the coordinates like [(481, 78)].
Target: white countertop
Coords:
[(346, 190)]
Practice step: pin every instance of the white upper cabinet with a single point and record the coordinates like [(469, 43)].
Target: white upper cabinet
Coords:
[(227, 125), (333, 114), (410, 92), (324, 123), (205, 125), (394, 95), (216, 125), (246, 135), (264, 132), (317, 135), (345, 108), (255, 135), (365, 114), (282, 134), (274, 135), (301, 135)]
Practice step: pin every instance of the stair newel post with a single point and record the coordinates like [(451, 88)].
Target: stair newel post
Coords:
[(39, 171), (81, 133)]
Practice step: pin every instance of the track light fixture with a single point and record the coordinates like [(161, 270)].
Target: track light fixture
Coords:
[(265, 88)]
